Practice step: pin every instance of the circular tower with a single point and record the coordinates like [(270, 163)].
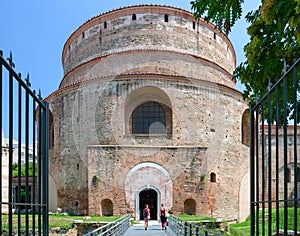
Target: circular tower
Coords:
[(147, 112)]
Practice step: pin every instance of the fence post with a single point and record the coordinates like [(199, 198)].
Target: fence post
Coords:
[(185, 228)]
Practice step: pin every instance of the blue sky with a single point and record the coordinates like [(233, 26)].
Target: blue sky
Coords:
[(35, 31)]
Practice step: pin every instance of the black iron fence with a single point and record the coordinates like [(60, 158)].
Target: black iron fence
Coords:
[(23, 156), (118, 228), (275, 162), (183, 228)]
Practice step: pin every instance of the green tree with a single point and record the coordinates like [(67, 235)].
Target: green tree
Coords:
[(15, 170), (274, 38)]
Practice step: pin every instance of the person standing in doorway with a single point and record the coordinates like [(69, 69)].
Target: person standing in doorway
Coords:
[(146, 216), (163, 217)]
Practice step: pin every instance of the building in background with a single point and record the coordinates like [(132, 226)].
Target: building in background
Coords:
[(22, 151)]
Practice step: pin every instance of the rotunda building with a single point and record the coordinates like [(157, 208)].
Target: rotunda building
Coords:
[(147, 112)]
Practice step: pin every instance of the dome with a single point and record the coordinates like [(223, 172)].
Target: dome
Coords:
[(116, 40)]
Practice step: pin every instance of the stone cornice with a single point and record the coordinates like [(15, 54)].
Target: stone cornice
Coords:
[(150, 76)]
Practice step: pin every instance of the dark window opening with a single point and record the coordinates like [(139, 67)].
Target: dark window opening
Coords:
[(194, 25), (105, 24), (83, 35), (289, 175), (215, 35), (190, 206), (166, 18), (107, 207), (213, 177), (149, 118), (133, 16)]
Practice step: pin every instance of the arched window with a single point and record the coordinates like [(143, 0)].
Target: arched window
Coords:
[(51, 130), (149, 118), (166, 18), (246, 128), (133, 16), (213, 177), (107, 207), (289, 175), (190, 206)]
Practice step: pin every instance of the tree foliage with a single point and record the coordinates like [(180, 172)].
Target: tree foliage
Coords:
[(223, 13), (31, 166), (274, 38)]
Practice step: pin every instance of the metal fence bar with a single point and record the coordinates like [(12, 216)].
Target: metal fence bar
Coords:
[(33, 190), (269, 171), (296, 170), (183, 228), (10, 144), (277, 161), (44, 150), (275, 202), (285, 161), (252, 169), (1, 141), (257, 175), (116, 228), (27, 121), (19, 152)]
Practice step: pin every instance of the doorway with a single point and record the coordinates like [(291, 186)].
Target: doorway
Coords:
[(149, 197)]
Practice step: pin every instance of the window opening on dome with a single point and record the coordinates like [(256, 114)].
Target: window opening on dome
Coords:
[(105, 24), (149, 118), (194, 25), (166, 18), (213, 177), (133, 16), (215, 35), (83, 35)]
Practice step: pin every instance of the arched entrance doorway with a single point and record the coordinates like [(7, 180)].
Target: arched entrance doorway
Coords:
[(148, 196)]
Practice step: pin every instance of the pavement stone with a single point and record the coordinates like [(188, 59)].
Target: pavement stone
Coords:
[(154, 229)]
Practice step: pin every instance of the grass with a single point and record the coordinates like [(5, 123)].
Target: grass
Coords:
[(194, 218), (56, 220), (243, 228)]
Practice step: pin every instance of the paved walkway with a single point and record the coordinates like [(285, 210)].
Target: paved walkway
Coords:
[(153, 229)]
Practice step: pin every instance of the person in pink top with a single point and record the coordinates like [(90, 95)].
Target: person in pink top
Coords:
[(163, 218)]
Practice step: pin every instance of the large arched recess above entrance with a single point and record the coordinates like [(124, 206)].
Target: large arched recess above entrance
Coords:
[(145, 95), (145, 176)]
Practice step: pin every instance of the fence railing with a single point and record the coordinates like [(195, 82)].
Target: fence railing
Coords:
[(183, 228), (275, 158), (23, 156), (116, 228)]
